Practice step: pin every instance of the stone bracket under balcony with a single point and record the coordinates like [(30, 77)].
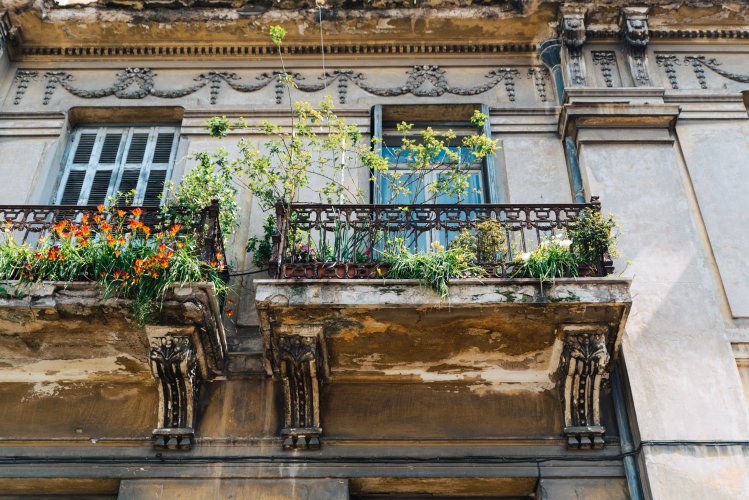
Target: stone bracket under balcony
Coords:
[(62, 333), (493, 335)]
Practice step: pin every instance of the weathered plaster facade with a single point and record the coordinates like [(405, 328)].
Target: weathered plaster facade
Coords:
[(643, 105)]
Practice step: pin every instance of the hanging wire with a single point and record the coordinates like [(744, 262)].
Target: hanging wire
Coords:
[(322, 47)]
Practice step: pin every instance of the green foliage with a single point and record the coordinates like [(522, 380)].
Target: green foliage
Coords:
[(116, 250), (550, 260), (262, 248), (592, 234), (487, 241), (435, 269), (430, 154), (213, 178), (277, 34)]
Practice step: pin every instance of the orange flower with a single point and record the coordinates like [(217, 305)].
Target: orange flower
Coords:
[(83, 242), (84, 219), (60, 227), (103, 274), (100, 208), (180, 244), (111, 241), (105, 226), (230, 312), (155, 274), (162, 249), (122, 241), (214, 263), (174, 229), (121, 213), (116, 253), (134, 224), (97, 218), (146, 231), (164, 262), (85, 230), (117, 275), (136, 212)]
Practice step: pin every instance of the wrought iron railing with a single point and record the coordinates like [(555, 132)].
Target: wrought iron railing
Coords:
[(347, 241), (28, 223)]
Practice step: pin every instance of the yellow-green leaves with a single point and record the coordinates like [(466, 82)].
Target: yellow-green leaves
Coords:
[(277, 34)]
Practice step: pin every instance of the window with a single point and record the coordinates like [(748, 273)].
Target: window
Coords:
[(440, 118), (103, 161)]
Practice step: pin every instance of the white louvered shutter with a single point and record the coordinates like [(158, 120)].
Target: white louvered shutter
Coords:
[(135, 161)]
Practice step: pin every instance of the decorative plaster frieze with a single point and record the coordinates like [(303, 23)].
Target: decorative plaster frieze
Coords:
[(667, 62), (605, 60), (539, 77), (699, 63), (584, 365), (174, 366), (22, 80), (634, 24), (139, 83)]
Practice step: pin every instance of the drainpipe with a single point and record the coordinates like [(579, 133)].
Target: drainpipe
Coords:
[(549, 51), (625, 436), (573, 165)]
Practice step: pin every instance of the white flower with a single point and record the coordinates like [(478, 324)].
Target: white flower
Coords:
[(526, 256), (566, 243)]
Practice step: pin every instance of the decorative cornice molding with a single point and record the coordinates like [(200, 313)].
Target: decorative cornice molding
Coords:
[(243, 51), (669, 34)]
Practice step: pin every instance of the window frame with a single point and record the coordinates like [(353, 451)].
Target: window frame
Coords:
[(488, 165), (146, 166)]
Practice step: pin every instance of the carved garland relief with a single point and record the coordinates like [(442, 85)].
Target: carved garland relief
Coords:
[(139, 83)]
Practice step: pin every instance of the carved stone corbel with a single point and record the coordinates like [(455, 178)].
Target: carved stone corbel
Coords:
[(174, 365), (584, 365), (634, 25), (298, 360), (572, 32)]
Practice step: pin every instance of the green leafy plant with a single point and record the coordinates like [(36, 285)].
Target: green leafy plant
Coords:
[(592, 235), (262, 247), (213, 178), (115, 249), (550, 260), (485, 242), (434, 269), (317, 144)]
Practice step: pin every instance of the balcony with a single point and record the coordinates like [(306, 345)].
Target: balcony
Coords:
[(334, 314), (78, 336)]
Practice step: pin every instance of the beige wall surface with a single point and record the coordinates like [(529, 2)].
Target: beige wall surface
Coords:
[(716, 156)]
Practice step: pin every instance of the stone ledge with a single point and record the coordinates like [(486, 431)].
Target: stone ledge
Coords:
[(68, 331)]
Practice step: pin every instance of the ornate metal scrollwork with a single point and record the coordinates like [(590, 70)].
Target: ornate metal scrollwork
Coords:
[(584, 365), (298, 361), (636, 39), (174, 365)]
